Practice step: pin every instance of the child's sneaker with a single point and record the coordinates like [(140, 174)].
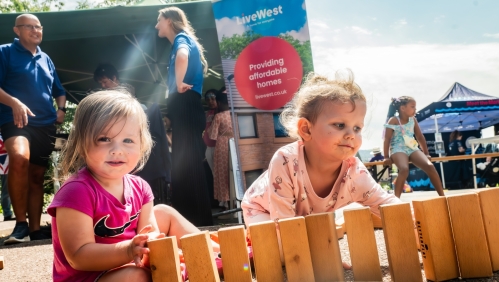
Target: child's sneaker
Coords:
[(19, 235)]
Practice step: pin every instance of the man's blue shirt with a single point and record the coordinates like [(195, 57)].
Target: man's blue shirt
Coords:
[(32, 79), (194, 73)]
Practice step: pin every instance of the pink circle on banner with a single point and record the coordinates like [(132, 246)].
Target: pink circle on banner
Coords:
[(268, 72)]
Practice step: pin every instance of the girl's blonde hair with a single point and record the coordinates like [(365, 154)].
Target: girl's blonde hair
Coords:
[(181, 23), (95, 115), (314, 93)]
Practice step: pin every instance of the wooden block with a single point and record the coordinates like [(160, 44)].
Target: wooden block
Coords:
[(435, 239), (340, 232), (199, 258), (296, 249), (1, 262), (235, 258), (324, 248), (376, 221), (362, 244), (469, 236), (489, 199), (164, 260), (266, 254), (400, 241)]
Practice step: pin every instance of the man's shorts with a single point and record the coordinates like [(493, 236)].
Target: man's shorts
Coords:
[(41, 140)]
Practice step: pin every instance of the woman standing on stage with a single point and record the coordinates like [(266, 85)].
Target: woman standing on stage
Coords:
[(185, 80)]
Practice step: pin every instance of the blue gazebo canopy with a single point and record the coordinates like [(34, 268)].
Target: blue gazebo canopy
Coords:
[(460, 109)]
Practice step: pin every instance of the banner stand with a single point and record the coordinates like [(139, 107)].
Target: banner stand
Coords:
[(235, 129)]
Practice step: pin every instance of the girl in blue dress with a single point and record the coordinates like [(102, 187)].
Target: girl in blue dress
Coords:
[(400, 147)]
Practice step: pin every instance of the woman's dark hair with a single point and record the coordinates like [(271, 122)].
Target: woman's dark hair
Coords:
[(453, 136), (222, 102), (396, 103), (221, 90), (210, 91), (105, 70)]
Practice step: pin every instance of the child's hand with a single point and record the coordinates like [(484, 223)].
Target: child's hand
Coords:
[(387, 162), (136, 249)]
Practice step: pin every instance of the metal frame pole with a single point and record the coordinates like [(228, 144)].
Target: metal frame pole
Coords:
[(236, 131), (439, 154)]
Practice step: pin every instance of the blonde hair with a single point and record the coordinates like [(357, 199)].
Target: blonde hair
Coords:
[(181, 23), (314, 93), (94, 115)]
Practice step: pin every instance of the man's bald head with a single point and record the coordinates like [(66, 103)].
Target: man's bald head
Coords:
[(21, 18)]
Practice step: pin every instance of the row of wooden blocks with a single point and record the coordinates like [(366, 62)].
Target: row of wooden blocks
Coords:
[(458, 236)]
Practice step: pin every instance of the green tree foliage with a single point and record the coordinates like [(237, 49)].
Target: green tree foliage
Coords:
[(231, 47), (24, 6)]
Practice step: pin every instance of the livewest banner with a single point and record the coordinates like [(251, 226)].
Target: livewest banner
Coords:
[(265, 44)]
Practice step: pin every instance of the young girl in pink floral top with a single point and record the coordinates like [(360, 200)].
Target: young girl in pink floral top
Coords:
[(318, 173)]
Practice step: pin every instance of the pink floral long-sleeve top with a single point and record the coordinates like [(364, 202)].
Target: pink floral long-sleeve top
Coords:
[(285, 190)]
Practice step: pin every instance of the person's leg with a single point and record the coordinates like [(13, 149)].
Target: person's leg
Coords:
[(401, 160), (420, 160), (6, 204), (130, 273), (172, 223), (18, 149), (35, 196)]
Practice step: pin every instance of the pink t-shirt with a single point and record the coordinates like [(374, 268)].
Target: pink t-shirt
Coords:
[(285, 190), (113, 221)]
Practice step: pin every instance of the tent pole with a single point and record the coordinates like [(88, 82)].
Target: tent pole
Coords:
[(439, 154)]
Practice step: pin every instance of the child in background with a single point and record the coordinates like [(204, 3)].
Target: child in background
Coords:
[(399, 138), (103, 216), (318, 173)]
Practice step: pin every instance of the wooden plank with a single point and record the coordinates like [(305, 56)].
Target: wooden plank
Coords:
[(376, 221), (296, 249), (435, 239), (324, 248), (469, 236), (400, 241), (199, 258), (447, 158), (164, 260), (340, 232), (1, 262), (362, 244), (489, 199), (266, 254), (234, 252)]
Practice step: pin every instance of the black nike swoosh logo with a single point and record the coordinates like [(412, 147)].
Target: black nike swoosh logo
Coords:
[(102, 230)]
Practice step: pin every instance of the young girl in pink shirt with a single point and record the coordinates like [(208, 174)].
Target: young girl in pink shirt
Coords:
[(319, 172), (103, 216)]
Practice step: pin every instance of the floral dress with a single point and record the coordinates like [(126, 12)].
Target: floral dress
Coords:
[(221, 130), (397, 144)]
